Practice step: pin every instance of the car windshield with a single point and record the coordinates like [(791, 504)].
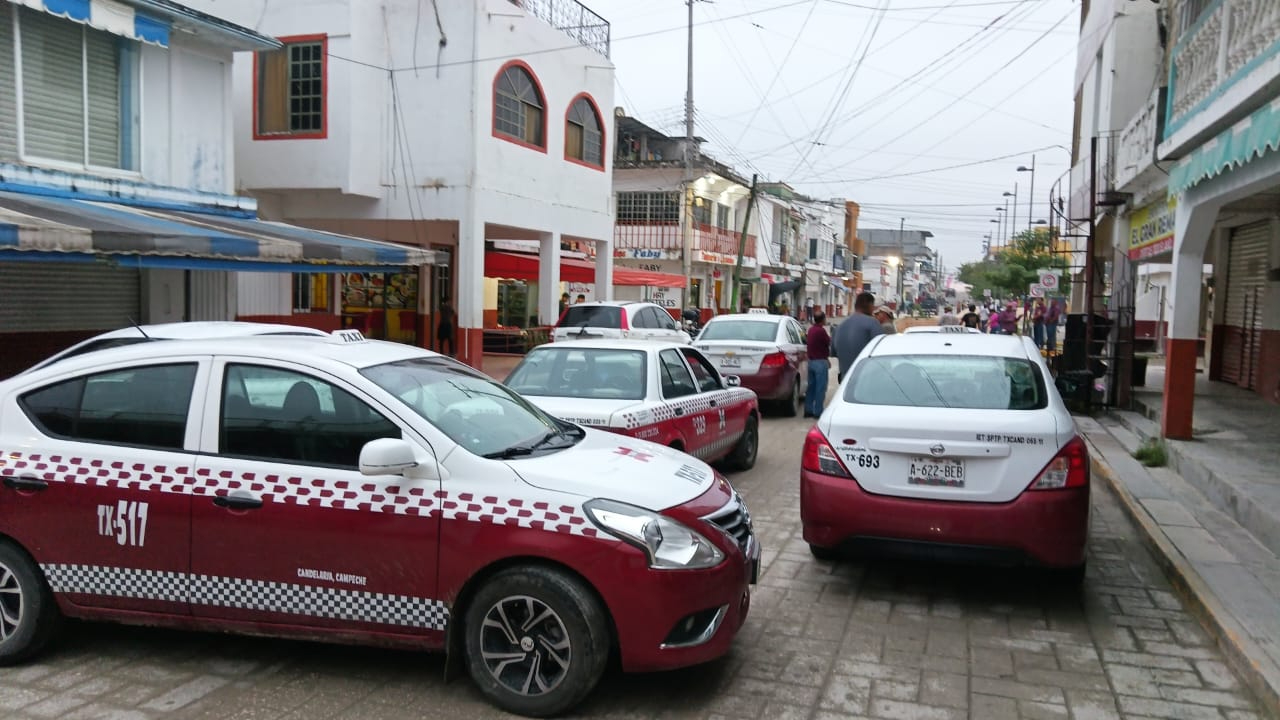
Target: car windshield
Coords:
[(474, 411), (607, 316), (596, 373), (752, 330), (967, 381)]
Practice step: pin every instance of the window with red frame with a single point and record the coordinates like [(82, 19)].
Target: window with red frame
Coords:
[(583, 138), (518, 107), (291, 89)]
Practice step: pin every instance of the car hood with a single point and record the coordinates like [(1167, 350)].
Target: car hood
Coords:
[(580, 411), (615, 467)]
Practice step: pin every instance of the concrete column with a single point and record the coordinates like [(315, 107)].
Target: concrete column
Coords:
[(604, 270), (549, 278), (470, 269), (1193, 224)]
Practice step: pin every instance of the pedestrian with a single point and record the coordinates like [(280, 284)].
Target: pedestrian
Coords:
[(808, 309), (854, 332), (784, 308), (581, 299), (884, 316), (1051, 318), (818, 345), (948, 317), (1007, 320), (971, 319), (444, 329), (1037, 323), (564, 302)]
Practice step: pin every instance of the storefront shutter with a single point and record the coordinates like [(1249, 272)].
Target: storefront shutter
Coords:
[(36, 297), (8, 89), (52, 87), (103, 54), (1242, 314)]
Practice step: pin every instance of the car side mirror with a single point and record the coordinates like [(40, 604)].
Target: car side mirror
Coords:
[(732, 381), (387, 456)]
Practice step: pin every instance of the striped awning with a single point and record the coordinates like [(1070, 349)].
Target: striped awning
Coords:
[(110, 16), (1248, 139), (57, 229)]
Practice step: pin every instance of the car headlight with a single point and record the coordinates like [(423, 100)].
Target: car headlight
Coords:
[(670, 545)]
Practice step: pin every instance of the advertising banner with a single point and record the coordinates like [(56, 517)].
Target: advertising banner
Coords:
[(1151, 229)]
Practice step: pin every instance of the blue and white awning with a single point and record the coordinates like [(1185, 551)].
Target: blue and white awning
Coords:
[(110, 16)]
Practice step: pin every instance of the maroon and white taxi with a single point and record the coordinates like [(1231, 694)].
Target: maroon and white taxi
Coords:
[(665, 392), (359, 491), (767, 352)]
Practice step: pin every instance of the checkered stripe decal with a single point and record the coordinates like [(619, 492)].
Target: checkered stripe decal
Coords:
[(548, 515), (666, 410), (291, 598), (716, 448)]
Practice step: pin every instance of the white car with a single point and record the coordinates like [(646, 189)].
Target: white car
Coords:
[(948, 443), (363, 491), (199, 330), (617, 319), (768, 352)]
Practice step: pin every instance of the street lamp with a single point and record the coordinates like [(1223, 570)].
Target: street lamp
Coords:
[(1032, 202), (1013, 195)]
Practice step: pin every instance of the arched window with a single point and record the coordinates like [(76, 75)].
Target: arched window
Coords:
[(583, 133), (518, 106)]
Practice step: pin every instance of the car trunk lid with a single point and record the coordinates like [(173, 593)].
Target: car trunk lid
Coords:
[(736, 357)]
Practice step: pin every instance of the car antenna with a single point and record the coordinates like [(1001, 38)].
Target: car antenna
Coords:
[(138, 327)]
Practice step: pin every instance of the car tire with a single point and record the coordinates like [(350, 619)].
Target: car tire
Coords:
[(743, 456), (1069, 577), (571, 638), (28, 614), (823, 553), (790, 406)]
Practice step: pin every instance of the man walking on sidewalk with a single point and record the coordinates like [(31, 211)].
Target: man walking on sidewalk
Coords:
[(854, 332), (818, 345)]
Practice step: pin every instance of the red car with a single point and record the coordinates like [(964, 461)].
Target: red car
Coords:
[(766, 352)]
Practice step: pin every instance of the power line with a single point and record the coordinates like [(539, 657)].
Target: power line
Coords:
[(925, 172)]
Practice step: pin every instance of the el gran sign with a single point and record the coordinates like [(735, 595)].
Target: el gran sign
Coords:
[(1151, 229)]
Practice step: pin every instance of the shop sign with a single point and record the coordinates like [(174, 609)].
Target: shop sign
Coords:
[(666, 297), (1151, 229), (644, 253)]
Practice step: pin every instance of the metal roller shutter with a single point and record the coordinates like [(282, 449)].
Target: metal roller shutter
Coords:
[(1242, 315), (38, 298), (8, 88)]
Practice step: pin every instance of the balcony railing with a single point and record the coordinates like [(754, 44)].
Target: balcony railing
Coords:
[(572, 18), (1135, 153), (1227, 42), (667, 236)]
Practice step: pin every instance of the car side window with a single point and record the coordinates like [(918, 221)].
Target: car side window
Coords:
[(281, 415), (665, 320), (143, 406), (640, 319), (708, 378), (676, 381), (795, 332)]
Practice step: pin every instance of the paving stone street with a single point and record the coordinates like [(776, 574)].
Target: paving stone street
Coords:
[(824, 640)]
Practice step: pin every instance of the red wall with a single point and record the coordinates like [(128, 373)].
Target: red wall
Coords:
[(19, 351)]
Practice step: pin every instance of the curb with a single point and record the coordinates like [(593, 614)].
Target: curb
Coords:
[(1239, 648)]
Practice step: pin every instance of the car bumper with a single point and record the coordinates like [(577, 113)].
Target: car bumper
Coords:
[(1047, 527), (768, 384)]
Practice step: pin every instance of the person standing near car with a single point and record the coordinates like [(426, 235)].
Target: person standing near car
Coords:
[(971, 319), (1051, 318), (948, 317), (1037, 323), (818, 347), (854, 332), (884, 316), (444, 329)]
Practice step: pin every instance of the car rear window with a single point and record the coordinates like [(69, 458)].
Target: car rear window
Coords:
[(605, 316), (751, 330), (949, 381), (597, 374)]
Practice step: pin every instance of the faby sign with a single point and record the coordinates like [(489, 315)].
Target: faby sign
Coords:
[(1151, 230)]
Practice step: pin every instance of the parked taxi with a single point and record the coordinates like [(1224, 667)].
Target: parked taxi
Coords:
[(406, 499), (767, 352), (665, 392)]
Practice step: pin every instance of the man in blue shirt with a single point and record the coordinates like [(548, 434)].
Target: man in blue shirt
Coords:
[(853, 334)]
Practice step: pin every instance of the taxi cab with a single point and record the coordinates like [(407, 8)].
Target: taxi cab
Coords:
[(952, 444), (407, 500), (665, 392)]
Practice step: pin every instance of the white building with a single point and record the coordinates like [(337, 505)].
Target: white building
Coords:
[(117, 168), (451, 129)]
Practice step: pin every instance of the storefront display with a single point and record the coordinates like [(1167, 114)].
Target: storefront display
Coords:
[(381, 305)]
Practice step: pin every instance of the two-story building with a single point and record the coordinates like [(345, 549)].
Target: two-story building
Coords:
[(460, 129), (117, 175), (1193, 166)]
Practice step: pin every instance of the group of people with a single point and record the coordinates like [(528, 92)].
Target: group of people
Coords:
[(851, 336), (997, 320)]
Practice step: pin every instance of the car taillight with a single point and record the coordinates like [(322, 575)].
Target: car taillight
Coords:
[(623, 321), (818, 456), (774, 360), (1068, 469)]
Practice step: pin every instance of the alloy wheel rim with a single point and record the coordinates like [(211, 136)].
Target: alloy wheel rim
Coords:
[(752, 445), (10, 603), (525, 645)]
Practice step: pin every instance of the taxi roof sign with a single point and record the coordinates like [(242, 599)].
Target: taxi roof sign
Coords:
[(349, 336), (757, 311)]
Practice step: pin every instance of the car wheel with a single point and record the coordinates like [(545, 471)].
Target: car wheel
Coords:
[(744, 453), (823, 553), (790, 407), (28, 614), (1069, 577), (537, 641)]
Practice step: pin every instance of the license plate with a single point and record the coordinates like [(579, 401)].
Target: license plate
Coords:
[(730, 362), (939, 472)]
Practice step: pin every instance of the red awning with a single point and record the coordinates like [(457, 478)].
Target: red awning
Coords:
[(626, 276), (515, 266)]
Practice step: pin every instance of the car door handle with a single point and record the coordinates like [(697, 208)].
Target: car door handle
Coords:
[(713, 403), (29, 483), (238, 502), (679, 411)]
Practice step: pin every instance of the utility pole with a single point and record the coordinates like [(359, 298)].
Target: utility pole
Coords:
[(686, 228), (902, 260), (742, 247)]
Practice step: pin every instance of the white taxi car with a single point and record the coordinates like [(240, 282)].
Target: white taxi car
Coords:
[(949, 443), (617, 319), (406, 499), (665, 392)]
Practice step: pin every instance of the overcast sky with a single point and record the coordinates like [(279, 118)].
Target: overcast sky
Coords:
[(783, 88)]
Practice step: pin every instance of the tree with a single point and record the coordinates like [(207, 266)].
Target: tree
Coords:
[(1015, 267)]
